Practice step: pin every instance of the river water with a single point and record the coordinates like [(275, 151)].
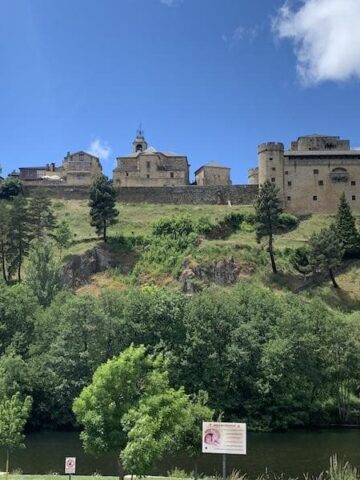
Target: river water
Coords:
[(291, 453)]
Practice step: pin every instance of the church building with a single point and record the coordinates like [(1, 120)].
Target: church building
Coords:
[(148, 167)]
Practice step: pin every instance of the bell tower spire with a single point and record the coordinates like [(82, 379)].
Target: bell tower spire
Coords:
[(140, 143)]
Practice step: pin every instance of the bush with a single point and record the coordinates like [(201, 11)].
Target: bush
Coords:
[(174, 227), (287, 222), (203, 226), (234, 219)]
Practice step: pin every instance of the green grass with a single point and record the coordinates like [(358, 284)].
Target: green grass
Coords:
[(136, 220)]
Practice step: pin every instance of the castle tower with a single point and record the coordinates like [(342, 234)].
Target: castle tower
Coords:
[(140, 143), (271, 164)]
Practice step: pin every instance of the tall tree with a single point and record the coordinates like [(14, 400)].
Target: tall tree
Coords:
[(63, 235), (20, 235), (41, 216), (44, 273), (346, 228), (14, 413), (4, 238), (326, 252), (267, 211), (102, 205)]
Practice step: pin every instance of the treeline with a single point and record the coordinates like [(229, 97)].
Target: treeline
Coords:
[(273, 361)]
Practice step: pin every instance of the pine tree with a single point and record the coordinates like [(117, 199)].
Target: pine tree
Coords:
[(346, 228), (41, 216), (326, 252), (102, 205), (267, 212)]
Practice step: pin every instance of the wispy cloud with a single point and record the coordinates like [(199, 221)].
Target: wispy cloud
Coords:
[(99, 149), (240, 34), (326, 37), (171, 3)]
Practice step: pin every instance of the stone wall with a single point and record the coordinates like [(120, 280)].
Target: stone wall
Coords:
[(189, 194)]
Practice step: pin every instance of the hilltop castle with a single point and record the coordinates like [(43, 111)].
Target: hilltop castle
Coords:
[(312, 175)]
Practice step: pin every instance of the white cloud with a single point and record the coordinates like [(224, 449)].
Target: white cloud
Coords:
[(326, 36), (239, 34), (99, 149), (171, 3)]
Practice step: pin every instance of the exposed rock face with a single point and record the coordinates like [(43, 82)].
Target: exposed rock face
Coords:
[(222, 272), (80, 268)]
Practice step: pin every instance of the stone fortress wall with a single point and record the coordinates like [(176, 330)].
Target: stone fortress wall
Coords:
[(185, 194)]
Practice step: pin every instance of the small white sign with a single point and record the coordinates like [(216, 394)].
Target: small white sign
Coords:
[(70, 465), (227, 438)]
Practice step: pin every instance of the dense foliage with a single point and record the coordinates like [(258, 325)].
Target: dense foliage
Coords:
[(274, 361)]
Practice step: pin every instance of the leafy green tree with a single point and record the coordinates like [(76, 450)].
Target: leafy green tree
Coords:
[(267, 211), (20, 235), (158, 424), (44, 273), (4, 239), (63, 235), (10, 188), (118, 388), (18, 310), (102, 205), (326, 252), (346, 228), (71, 342), (14, 413), (41, 216)]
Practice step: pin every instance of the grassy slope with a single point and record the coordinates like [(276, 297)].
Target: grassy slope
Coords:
[(137, 219)]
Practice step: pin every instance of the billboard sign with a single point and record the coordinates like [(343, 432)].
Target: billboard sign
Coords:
[(227, 438)]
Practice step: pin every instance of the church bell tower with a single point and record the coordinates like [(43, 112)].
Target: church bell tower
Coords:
[(140, 143)]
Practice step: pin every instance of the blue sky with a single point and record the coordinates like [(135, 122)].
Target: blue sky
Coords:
[(210, 79)]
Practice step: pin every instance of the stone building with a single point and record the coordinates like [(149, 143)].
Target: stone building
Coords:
[(78, 168), (147, 167), (313, 174), (38, 175), (212, 174)]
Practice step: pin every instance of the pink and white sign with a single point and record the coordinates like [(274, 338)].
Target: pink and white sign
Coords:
[(229, 438), (70, 465)]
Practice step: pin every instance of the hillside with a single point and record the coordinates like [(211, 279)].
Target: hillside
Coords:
[(129, 242)]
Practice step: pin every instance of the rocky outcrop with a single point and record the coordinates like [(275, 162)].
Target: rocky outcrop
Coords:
[(80, 268), (222, 272)]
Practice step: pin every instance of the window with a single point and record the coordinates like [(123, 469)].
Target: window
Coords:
[(286, 172), (289, 184), (127, 174), (273, 169), (321, 182), (353, 182), (353, 197), (171, 174), (270, 158), (147, 164), (288, 198), (316, 171), (315, 198), (147, 176), (273, 179)]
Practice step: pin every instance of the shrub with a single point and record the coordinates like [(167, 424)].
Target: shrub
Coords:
[(234, 219), (174, 227), (287, 222), (203, 226)]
